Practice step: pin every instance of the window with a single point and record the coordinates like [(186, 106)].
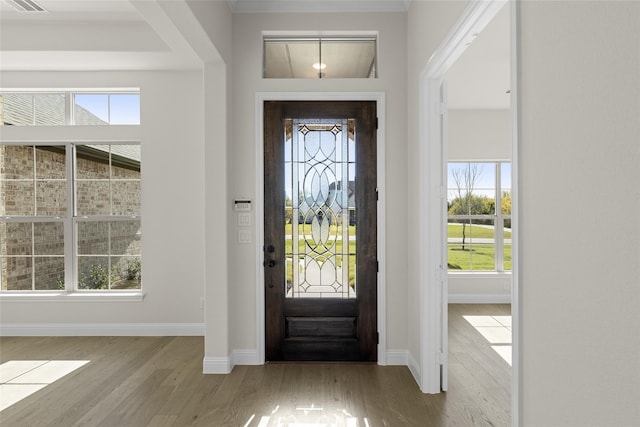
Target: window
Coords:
[(70, 213), (320, 58), (479, 212), (70, 108), (101, 219)]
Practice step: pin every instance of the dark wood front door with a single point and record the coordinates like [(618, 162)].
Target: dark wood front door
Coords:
[(320, 230)]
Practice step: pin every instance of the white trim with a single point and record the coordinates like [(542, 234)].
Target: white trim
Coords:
[(472, 21), (101, 329), (216, 365), (379, 97), (516, 367), (397, 357), (245, 356), (62, 296), (479, 298), (414, 368), (296, 6)]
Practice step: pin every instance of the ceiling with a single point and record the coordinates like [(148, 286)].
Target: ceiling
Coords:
[(145, 35)]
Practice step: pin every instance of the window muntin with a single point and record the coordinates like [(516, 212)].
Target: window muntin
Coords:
[(479, 208), (320, 58), (37, 218)]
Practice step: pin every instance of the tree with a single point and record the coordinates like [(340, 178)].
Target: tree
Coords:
[(467, 203)]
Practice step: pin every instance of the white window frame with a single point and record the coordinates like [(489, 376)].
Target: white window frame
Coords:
[(498, 219), (39, 135)]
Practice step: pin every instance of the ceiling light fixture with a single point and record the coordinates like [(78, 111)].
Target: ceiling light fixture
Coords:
[(319, 65)]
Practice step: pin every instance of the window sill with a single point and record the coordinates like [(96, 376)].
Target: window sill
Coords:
[(484, 274), (63, 296)]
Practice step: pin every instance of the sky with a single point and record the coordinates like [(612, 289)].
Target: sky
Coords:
[(115, 109)]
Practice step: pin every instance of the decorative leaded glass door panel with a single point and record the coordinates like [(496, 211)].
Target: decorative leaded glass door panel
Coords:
[(320, 238)]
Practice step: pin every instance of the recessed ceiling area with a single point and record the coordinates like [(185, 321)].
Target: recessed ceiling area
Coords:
[(87, 35)]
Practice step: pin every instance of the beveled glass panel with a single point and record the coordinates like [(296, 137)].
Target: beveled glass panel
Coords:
[(320, 243)]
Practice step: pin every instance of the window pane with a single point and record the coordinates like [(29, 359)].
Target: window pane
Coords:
[(17, 162), (126, 197), (349, 59), (49, 273), (93, 273), (471, 188), (17, 273), (126, 272), (125, 161), (16, 238), (51, 198), (48, 238), (507, 245), (125, 109), (93, 238), (92, 161), (471, 245), (125, 238), (93, 198), (313, 58), (17, 198), (20, 109), (91, 109), (51, 163)]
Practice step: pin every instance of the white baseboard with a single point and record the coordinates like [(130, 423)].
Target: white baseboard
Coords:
[(479, 299), (216, 365), (414, 368), (101, 329), (397, 358), (245, 357)]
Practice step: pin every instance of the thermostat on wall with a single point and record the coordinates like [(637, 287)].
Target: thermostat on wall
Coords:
[(242, 205)]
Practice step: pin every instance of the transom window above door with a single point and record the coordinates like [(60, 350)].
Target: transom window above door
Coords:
[(319, 57)]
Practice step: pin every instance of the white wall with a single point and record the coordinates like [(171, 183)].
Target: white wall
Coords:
[(479, 135), (247, 69), (172, 204), (580, 236)]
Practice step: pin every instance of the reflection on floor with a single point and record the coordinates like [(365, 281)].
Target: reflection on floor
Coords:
[(496, 330), (22, 378)]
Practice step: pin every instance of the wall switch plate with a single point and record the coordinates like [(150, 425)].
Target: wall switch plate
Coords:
[(244, 219), (244, 236)]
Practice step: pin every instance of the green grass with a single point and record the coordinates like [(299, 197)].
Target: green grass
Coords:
[(481, 232), (306, 229), (335, 249), (479, 258)]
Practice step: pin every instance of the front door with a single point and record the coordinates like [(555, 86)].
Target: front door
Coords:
[(320, 222)]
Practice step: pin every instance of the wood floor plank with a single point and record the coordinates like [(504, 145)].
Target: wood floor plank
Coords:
[(158, 382)]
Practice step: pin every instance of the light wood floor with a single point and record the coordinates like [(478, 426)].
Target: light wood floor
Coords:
[(158, 381)]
